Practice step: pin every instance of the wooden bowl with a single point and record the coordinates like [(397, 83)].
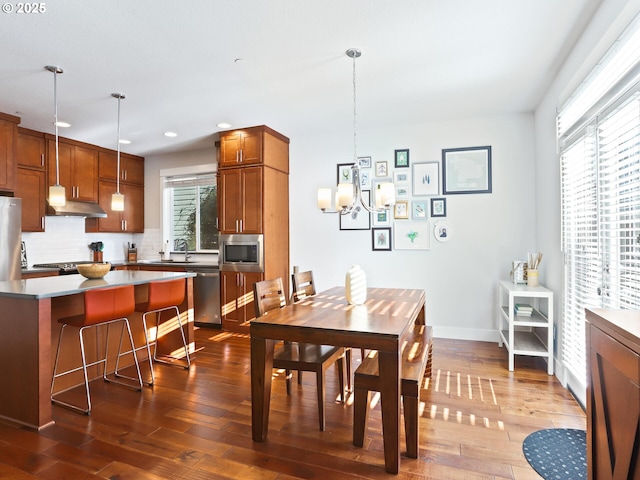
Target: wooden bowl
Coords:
[(94, 270)]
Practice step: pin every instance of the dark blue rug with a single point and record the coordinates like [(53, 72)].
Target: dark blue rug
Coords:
[(557, 453)]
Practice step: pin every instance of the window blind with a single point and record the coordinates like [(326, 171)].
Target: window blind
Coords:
[(599, 140)]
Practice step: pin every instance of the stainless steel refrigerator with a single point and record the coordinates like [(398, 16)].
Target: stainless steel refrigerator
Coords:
[(10, 237)]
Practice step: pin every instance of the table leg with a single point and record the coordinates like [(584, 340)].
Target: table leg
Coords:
[(389, 368), (261, 373)]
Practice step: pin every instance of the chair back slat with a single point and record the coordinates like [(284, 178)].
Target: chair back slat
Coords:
[(269, 295), (303, 285)]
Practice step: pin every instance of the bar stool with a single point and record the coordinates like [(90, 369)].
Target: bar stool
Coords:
[(102, 306), (163, 295)]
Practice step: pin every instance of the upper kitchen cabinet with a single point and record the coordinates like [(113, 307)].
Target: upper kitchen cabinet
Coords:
[(254, 145), (31, 149), (78, 166), (8, 147), (240, 200), (30, 186), (131, 168), (130, 220)]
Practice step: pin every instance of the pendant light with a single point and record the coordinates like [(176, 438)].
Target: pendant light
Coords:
[(117, 199), (57, 195), (349, 195)]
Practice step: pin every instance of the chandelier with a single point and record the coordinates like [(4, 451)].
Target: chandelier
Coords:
[(349, 195)]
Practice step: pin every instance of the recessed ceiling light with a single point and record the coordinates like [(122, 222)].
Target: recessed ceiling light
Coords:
[(125, 142), (62, 124), (224, 125), (170, 134)]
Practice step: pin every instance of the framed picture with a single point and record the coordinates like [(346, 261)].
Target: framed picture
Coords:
[(438, 207), (401, 176), (382, 219), (380, 239), (419, 210), (402, 158), (466, 170), (359, 218), (442, 231), (381, 169), (364, 162), (401, 209), (365, 179), (425, 179), (345, 174), (402, 190), (411, 236)]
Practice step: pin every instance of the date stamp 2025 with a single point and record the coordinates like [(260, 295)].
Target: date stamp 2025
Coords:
[(28, 7)]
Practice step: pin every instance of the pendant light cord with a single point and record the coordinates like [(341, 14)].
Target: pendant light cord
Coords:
[(55, 115), (355, 131), (118, 147)]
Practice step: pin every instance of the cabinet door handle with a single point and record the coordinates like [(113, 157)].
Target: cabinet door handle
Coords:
[(237, 156), (241, 228), (42, 159), (42, 223), (241, 156)]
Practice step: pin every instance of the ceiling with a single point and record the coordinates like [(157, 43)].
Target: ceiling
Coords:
[(186, 66)]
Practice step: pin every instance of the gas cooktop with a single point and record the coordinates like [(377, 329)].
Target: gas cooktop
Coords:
[(64, 267)]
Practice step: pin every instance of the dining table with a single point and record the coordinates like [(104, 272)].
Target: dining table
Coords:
[(382, 323)]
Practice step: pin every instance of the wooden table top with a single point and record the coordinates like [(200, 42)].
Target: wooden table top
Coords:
[(327, 318)]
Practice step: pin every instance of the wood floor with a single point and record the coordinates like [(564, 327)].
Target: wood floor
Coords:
[(197, 424)]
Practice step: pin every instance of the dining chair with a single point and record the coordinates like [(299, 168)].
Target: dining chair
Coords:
[(303, 287), (269, 295)]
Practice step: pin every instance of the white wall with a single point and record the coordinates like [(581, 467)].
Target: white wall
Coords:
[(608, 22), (488, 230)]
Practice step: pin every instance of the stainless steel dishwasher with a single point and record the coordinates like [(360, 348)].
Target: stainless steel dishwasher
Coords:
[(206, 297)]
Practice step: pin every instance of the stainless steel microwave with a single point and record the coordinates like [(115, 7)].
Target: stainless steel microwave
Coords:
[(241, 253)]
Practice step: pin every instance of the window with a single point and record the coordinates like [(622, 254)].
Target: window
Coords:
[(191, 212), (599, 138)]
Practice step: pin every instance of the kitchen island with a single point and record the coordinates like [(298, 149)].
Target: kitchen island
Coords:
[(29, 310)]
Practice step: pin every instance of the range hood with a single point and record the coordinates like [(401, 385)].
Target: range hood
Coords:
[(77, 209)]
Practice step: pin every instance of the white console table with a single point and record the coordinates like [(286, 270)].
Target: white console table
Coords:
[(525, 335)]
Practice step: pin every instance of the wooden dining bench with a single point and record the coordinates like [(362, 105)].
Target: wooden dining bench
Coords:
[(415, 365)]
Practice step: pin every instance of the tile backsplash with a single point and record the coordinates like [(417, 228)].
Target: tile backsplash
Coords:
[(66, 241)]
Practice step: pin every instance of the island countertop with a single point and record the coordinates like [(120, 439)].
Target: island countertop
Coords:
[(58, 286)]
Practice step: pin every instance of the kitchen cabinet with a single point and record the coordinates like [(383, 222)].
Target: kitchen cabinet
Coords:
[(253, 198), (130, 220), (252, 146), (131, 167), (613, 393), (8, 147), (30, 186), (78, 166), (525, 335), (238, 304), (240, 200), (241, 147), (31, 181), (31, 149)]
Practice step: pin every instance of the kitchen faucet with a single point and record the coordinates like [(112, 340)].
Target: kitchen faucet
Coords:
[(187, 255)]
